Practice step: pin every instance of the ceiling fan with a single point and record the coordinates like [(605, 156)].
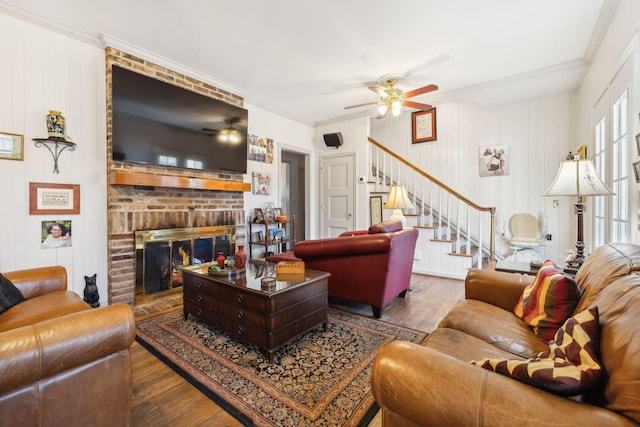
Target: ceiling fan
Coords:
[(393, 98), (228, 134)]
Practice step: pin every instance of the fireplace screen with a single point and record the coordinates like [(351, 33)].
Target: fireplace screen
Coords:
[(161, 253)]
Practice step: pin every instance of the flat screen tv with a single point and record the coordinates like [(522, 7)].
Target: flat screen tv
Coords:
[(161, 124)]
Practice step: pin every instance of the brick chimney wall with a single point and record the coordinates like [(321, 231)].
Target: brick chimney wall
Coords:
[(131, 208)]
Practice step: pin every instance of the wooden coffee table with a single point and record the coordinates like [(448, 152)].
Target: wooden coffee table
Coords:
[(240, 304)]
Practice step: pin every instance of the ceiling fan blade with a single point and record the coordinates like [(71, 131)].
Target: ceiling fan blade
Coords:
[(417, 105), (420, 91), (378, 90), (382, 116), (361, 105)]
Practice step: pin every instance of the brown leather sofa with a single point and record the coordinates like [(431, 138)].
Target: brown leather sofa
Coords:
[(61, 362), (434, 384), (368, 266)]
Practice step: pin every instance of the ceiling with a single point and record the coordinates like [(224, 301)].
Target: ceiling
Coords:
[(308, 60)]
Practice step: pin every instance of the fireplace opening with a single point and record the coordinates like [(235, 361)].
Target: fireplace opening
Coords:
[(161, 253)]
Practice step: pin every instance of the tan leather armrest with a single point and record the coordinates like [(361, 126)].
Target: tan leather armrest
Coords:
[(31, 353), (33, 282), (432, 389), (495, 287)]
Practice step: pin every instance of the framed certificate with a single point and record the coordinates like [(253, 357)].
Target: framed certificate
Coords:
[(423, 126), (375, 206)]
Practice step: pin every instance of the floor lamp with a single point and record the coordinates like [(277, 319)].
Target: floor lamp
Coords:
[(398, 199), (578, 178)]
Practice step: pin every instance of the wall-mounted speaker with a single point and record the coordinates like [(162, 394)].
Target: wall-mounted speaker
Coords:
[(333, 139)]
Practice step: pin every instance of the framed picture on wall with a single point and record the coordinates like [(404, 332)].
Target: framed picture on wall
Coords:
[(494, 160), (636, 170), (11, 146), (375, 207), (423, 126), (47, 199), (261, 183)]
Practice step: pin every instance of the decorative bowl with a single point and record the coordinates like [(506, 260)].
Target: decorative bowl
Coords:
[(281, 218)]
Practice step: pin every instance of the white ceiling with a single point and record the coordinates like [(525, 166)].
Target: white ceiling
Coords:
[(308, 60)]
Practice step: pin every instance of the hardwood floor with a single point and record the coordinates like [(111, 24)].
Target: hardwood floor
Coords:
[(163, 398)]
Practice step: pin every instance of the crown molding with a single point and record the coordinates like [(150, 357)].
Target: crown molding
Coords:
[(113, 42), (47, 23), (602, 24)]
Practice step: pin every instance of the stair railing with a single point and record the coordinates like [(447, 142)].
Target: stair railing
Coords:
[(447, 211)]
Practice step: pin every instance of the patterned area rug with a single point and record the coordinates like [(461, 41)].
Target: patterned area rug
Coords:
[(319, 379)]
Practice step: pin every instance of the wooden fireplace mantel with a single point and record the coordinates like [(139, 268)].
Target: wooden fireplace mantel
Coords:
[(149, 179)]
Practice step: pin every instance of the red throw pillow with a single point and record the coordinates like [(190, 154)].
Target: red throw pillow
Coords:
[(570, 367), (385, 227), (548, 301)]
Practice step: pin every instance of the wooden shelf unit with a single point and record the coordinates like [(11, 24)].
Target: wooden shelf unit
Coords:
[(267, 240)]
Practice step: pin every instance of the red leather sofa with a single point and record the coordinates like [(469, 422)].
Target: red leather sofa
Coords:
[(368, 266)]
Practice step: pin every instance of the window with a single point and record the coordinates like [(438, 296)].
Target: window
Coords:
[(600, 202), (167, 160), (620, 170), (612, 219), (193, 164)]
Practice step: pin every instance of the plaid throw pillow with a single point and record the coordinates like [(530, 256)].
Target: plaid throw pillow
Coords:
[(548, 301), (570, 367)]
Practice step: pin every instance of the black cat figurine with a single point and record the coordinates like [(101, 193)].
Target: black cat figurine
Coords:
[(91, 296)]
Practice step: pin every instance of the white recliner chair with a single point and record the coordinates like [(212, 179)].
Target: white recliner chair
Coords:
[(524, 236)]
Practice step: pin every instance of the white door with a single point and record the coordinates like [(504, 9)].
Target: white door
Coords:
[(337, 195)]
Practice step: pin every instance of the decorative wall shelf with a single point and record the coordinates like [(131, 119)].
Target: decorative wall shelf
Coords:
[(149, 179), (55, 146)]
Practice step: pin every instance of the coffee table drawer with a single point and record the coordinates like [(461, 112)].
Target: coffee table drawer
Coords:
[(194, 284), (200, 312), (245, 299), (201, 299), (274, 320)]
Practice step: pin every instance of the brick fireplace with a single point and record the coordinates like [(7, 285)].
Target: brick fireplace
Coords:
[(172, 200)]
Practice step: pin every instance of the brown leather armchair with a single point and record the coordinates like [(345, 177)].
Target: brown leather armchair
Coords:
[(61, 362), (369, 266)]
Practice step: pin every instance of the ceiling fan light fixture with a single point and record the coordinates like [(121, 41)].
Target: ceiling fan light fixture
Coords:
[(395, 108), (393, 98), (229, 135)]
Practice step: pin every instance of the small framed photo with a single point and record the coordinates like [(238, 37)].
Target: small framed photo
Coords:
[(47, 199), (55, 234), (259, 216), (277, 212), (423, 126), (375, 207), (638, 143), (636, 170), (11, 146)]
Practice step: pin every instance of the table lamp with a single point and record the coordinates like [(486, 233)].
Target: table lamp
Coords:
[(578, 178), (398, 199)]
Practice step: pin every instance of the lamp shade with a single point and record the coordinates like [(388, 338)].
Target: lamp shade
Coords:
[(577, 177), (398, 198)]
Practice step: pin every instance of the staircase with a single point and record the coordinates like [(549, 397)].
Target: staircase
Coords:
[(455, 234)]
